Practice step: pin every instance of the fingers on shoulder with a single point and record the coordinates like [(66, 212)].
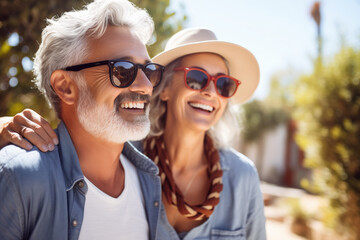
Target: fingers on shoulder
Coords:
[(18, 140)]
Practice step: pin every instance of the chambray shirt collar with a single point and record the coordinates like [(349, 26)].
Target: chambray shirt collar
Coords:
[(137, 158), (69, 160)]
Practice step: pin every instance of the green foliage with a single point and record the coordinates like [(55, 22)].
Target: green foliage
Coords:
[(27, 19), (166, 22), (328, 115), (280, 93), (259, 117), (296, 210)]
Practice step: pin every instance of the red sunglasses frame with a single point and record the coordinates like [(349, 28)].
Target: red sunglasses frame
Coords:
[(210, 78)]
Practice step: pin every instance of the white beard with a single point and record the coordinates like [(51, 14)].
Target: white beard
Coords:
[(100, 122)]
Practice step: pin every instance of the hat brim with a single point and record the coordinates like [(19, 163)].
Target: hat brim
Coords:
[(241, 62)]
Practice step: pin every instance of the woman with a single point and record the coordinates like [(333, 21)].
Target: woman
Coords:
[(209, 191)]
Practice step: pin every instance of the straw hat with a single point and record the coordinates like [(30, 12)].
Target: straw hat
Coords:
[(242, 63)]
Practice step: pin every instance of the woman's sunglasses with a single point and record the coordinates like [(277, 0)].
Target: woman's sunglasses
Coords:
[(198, 79), (123, 73)]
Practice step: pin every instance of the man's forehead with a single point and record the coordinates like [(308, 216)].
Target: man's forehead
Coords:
[(134, 60), (117, 43)]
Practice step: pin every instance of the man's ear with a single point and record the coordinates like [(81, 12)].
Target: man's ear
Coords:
[(64, 86)]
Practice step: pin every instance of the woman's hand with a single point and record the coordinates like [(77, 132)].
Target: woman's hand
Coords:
[(30, 125)]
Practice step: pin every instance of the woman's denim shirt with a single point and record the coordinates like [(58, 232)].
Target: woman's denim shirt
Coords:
[(42, 195), (240, 212)]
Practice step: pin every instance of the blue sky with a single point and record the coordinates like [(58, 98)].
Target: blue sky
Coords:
[(280, 33)]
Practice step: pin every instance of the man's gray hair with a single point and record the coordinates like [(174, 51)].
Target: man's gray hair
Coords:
[(64, 39), (224, 131)]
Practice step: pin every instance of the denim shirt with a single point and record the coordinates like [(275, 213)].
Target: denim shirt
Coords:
[(240, 212), (42, 195)]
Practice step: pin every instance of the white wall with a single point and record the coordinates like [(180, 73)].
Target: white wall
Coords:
[(270, 162)]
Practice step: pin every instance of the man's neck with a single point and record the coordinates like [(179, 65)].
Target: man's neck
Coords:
[(99, 159)]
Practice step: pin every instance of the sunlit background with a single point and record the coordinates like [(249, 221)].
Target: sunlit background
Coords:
[(281, 33), (301, 128)]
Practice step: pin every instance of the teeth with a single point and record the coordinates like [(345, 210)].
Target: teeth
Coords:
[(202, 106), (132, 105)]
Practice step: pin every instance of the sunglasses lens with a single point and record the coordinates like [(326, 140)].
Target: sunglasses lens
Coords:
[(226, 87), (154, 73), (123, 74), (196, 79)]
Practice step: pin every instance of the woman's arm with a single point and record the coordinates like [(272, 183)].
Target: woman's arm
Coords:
[(30, 125)]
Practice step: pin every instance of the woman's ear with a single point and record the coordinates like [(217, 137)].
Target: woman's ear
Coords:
[(64, 86), (164, 95)]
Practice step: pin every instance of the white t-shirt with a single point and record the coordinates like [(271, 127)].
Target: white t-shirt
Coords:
[(109, 218)]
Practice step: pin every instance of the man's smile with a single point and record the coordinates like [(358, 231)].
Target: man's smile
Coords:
[(135, 105)]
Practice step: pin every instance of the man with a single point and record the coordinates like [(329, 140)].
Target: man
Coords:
[(94, 69)]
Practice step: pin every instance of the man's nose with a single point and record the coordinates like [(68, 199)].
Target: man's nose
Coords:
[(141, 84)]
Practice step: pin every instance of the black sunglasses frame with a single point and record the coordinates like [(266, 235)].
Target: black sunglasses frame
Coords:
[(111, 65)]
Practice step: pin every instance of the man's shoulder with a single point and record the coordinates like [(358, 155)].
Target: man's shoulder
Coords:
[(12, 151), (31, 184), (32, 174), (18, 160)]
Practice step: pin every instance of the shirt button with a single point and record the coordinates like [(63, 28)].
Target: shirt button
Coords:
[(74, 223), (81, 184), (156, 203)]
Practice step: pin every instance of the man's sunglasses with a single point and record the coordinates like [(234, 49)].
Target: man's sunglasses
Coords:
[(198, 79), (123, 73)]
